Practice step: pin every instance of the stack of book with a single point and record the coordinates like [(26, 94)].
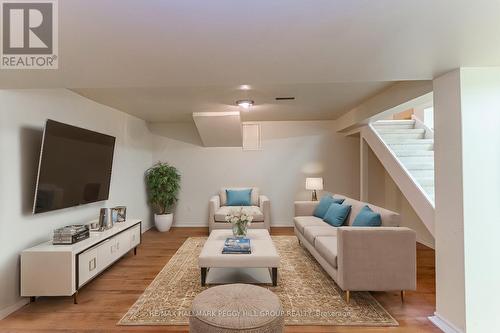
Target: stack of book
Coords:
[(237, 246), (70, 234)]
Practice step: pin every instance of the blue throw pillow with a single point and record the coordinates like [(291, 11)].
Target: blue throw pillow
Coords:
[(337, 214), (367, 218), (239, 197), (324, 204)]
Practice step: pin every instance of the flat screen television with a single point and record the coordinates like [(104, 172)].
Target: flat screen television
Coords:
[(74, 169)]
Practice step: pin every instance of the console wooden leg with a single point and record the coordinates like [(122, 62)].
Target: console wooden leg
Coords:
[(32, 299), (275, 276), (203, 276), (347, 296), (75, 297), (135, 251), (402, 296)]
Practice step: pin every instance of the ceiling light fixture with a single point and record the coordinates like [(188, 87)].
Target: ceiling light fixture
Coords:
[(245, 103)]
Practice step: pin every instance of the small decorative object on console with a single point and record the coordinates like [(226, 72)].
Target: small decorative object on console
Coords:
[(240, 219), (237, 246), (70, 234), (106, 219), (120, 213)]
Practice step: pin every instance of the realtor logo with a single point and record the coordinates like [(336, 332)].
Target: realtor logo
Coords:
[(29, 34)]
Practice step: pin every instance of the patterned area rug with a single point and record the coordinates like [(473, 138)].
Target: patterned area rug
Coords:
[(309, 296)]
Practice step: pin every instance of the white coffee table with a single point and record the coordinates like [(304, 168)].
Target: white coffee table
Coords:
[(264, 254)]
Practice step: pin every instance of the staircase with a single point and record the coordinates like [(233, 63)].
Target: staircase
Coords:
[(406, 150), (412, 149)]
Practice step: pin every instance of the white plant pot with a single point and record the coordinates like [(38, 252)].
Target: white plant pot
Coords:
[(163, 222)]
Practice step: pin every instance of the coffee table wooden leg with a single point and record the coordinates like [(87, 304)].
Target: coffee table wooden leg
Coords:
[(275, 276), (203, 276)]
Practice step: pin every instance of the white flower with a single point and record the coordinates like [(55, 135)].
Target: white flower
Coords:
[(239, 217)]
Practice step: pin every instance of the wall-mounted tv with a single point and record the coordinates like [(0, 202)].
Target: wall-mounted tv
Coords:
[(75, 167)]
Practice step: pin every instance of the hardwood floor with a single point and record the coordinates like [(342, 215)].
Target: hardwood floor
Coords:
[(106, 299)]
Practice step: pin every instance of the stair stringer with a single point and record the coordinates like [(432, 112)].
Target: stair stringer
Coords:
[(410, 188)]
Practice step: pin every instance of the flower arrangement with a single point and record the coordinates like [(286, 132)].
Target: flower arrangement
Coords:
[(241, 220)]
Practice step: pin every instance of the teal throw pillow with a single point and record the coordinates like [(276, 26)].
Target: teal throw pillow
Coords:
[(337, 214), (324, 204), (367, 218), (239, 197)]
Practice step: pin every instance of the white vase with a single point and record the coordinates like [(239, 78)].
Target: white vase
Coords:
[(163, 222)]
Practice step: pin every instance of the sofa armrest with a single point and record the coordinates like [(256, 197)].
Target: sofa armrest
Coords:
[(213, 206), (376, 258), (265, 206), (305, 208)]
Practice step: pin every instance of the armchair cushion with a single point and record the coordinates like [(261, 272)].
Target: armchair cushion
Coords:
[(239, 197), (255, 211), (254, 196)]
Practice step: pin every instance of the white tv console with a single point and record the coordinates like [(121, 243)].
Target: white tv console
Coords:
[(61, 270)]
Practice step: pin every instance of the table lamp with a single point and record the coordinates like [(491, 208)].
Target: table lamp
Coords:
[(314, 184)]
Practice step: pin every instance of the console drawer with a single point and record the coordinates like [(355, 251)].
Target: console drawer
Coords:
[(88, 265), (135, 236), (108, 252), (123, 243)]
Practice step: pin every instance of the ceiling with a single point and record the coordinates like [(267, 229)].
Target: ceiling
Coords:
[(348, 49), (176, 104)]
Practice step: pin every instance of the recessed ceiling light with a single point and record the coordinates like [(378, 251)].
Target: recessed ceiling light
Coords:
[(245, 87), (245, 103)]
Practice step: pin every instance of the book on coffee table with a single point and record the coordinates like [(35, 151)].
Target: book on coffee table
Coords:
[(237, 246)]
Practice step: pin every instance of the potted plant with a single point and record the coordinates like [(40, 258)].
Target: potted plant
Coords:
[(163, 183)]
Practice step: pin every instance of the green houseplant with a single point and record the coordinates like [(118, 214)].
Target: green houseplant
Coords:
[(163, 183)]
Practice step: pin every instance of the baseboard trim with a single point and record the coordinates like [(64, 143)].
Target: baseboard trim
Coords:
[(443, 324), (13, 308), (190, 225), (197, 224), (281, 225)]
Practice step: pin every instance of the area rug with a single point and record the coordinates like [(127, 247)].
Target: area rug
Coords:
[(308, 294)]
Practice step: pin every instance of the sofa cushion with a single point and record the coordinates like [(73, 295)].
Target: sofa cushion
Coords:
[(239, 197), (389, 218), (255, 211), (324, 204), (327, 248), (367, 218), (254, 195), (303, 221), (337, 214), (312, 232)]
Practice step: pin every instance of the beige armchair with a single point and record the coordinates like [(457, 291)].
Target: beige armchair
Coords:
[(260, 209)]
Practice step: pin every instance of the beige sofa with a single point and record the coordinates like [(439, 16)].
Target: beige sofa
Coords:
[(360, 258), (260, 209)]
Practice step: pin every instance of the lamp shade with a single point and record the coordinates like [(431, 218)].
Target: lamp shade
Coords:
[(314, 183)]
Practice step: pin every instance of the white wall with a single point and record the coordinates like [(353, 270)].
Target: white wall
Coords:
[(22, 116), (450, 279), (291, 151), (480, 92), (467, 141)]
